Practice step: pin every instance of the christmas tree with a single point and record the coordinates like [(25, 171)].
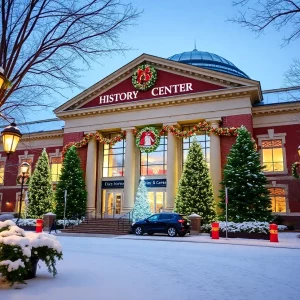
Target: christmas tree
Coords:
[(243, 176), (71, 179), (141, 208), (195, 193), (40, 193)]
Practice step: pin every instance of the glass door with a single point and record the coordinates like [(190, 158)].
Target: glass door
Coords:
[(157, 201), (113, 204)]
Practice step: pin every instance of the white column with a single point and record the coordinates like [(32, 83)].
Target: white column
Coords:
[(215, 160), (90, 177), (130, 168), (172, 166)]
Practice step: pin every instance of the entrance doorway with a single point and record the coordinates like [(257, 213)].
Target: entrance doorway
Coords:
[(157, 200), (112, 203)]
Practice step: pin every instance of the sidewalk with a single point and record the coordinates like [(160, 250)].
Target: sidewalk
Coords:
[(286, 240)]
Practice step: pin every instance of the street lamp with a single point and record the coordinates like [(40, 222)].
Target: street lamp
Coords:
[(10, 137), (24, 170), (11, 134)]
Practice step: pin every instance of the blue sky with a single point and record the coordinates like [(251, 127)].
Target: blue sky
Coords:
[(167, 27)]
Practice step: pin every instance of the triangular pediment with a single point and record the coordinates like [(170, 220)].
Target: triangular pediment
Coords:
[(173, 80)]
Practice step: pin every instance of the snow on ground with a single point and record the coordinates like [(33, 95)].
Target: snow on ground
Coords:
[(114, 268)]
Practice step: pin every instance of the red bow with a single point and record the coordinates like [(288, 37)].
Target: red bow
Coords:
[(144, 76)]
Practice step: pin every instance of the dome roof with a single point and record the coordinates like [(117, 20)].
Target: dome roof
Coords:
[(209, 61)]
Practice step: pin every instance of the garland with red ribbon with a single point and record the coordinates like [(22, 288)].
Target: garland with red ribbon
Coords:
[(201, 126), (295, 167)]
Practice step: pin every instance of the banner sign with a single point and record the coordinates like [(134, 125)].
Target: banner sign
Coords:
[(119, 184)]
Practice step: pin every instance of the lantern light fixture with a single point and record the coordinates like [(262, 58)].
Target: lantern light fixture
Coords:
[(10, 137)]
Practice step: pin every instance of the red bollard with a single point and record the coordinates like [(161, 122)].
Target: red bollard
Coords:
[(274, 233), (215, 230), (39, 226)]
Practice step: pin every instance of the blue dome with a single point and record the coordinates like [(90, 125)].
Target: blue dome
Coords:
[(209, 61)]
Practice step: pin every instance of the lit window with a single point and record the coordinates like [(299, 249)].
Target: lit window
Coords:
[(2, 169), (272, 155), (202, 138), (56, 164), (114, 158), (277, 196), (155, 163)]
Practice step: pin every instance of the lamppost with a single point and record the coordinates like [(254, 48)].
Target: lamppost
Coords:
[(24, 170), (11, 134)]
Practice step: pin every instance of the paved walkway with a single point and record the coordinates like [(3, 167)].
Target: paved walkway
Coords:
[(286, 239)]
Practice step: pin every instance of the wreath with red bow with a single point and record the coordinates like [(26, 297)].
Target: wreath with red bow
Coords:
[(144, 77)]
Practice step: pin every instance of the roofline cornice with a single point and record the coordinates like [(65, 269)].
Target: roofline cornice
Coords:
[(273, 109), (172, 66), (160, 102), (43, 135)]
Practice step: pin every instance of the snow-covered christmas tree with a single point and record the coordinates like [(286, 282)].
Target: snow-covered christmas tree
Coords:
[(40, 193), (195, 193), (71, 179), (243, 176), (141, 209)]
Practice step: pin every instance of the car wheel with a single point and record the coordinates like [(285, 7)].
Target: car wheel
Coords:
[(139, 231), (181, 234), (150, 233), (172, 231)]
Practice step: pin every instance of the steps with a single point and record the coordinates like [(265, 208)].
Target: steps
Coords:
[(100, 226)]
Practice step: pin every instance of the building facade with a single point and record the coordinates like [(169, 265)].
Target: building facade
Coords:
[(191, 94)]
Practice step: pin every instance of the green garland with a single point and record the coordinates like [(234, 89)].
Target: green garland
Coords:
[(294, 170), (144, 71), (156, 143)]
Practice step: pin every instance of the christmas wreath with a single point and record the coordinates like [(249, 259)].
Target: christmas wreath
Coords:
[(148, 139), (144, 77), (294, 169), (26, 179)]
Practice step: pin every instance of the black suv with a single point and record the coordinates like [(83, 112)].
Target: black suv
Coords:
[(170, 223)]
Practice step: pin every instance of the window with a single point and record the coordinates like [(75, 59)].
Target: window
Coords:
[(56, 164), (153, 218), (2, 169), (272, 155), (202, 138), (277, 196), (155, 163), (113, 158)]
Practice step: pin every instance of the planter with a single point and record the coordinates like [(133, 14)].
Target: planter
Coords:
[(32, 272), (245, 235)]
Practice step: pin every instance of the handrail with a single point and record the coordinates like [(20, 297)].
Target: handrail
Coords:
[(128, 216), (160, 210), (113, 209)]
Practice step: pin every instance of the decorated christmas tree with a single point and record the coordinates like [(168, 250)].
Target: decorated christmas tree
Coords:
[(40, 193), (195, 193), (243, 176), (141, 208), (71, 179)]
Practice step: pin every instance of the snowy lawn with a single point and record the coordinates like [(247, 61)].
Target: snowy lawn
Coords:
[(113, 269)]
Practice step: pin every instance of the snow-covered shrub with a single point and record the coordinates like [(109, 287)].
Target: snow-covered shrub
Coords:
[(32, 222), (17, 248), (250, 227), (5, 217)]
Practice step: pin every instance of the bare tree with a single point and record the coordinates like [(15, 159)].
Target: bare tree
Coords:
[(46, 44), (258, 15)]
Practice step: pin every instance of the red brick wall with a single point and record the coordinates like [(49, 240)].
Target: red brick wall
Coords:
[(73, 137), (233, 121), (292, 141), (11, 173)]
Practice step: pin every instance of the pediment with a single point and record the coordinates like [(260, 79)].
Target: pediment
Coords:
[(173, 79)]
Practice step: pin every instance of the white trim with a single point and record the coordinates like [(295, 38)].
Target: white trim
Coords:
[(1, 197), (269, 137)]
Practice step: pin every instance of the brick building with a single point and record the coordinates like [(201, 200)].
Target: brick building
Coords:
[(181, 92)]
